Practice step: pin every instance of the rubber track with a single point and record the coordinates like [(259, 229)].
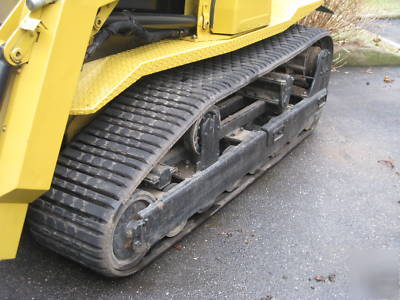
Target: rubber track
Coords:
[(108, 160)]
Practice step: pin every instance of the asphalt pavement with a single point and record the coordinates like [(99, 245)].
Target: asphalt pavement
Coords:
[(299, 232)]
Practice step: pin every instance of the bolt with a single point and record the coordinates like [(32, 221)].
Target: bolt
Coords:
[(129, 233), (16, 55), (98, 23)]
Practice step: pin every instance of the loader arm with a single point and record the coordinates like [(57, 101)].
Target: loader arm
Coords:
[(44, 81), (36, 104)]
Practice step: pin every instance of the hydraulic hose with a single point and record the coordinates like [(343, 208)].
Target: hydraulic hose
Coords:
[(128, 25), (158, 21)]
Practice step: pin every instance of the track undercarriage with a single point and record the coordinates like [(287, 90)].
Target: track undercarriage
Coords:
[(177, 146)]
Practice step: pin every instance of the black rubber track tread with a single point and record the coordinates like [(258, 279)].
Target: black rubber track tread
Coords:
[(98, 172)]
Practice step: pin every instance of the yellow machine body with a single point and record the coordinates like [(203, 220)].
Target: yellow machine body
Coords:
[(50, 84), (237, 16)]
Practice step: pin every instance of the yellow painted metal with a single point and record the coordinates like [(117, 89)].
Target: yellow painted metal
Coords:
[(12, 217), (75, 125), (102, 16), (203, 33), (190, 7), (35, 113), (104, 79), (20, 44), (237, 16)]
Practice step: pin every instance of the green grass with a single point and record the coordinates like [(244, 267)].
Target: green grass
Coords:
[(382, 7)]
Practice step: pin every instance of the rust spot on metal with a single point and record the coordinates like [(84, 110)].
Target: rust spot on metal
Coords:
[(128, 244)]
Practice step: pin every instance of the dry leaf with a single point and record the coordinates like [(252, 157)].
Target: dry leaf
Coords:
[(377, 40), (387, 79), (320, 278), (178, 247), (227, 234), (128, 244), (387, 163)]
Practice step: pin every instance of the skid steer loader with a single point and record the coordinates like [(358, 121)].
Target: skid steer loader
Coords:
[(126, 124)]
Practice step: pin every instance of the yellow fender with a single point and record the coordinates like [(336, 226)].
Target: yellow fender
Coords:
[(104, 79)]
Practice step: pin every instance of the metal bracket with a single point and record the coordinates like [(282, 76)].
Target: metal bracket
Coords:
[(30, 24), (205, 16), (18, 48), (273, 88), (209, 134), (322, 72), (102, 16)]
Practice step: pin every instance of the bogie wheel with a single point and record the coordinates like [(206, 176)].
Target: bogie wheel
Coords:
[(111, 246), (122, 244), (126, 248)]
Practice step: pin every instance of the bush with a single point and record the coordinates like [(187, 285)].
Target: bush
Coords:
[(346, 21), (347, 24)]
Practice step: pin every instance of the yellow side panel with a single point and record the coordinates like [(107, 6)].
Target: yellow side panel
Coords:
[(236, 16), (104, 79), (12, 217)]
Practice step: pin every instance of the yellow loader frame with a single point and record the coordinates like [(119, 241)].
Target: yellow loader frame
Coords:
[(50, 85)]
